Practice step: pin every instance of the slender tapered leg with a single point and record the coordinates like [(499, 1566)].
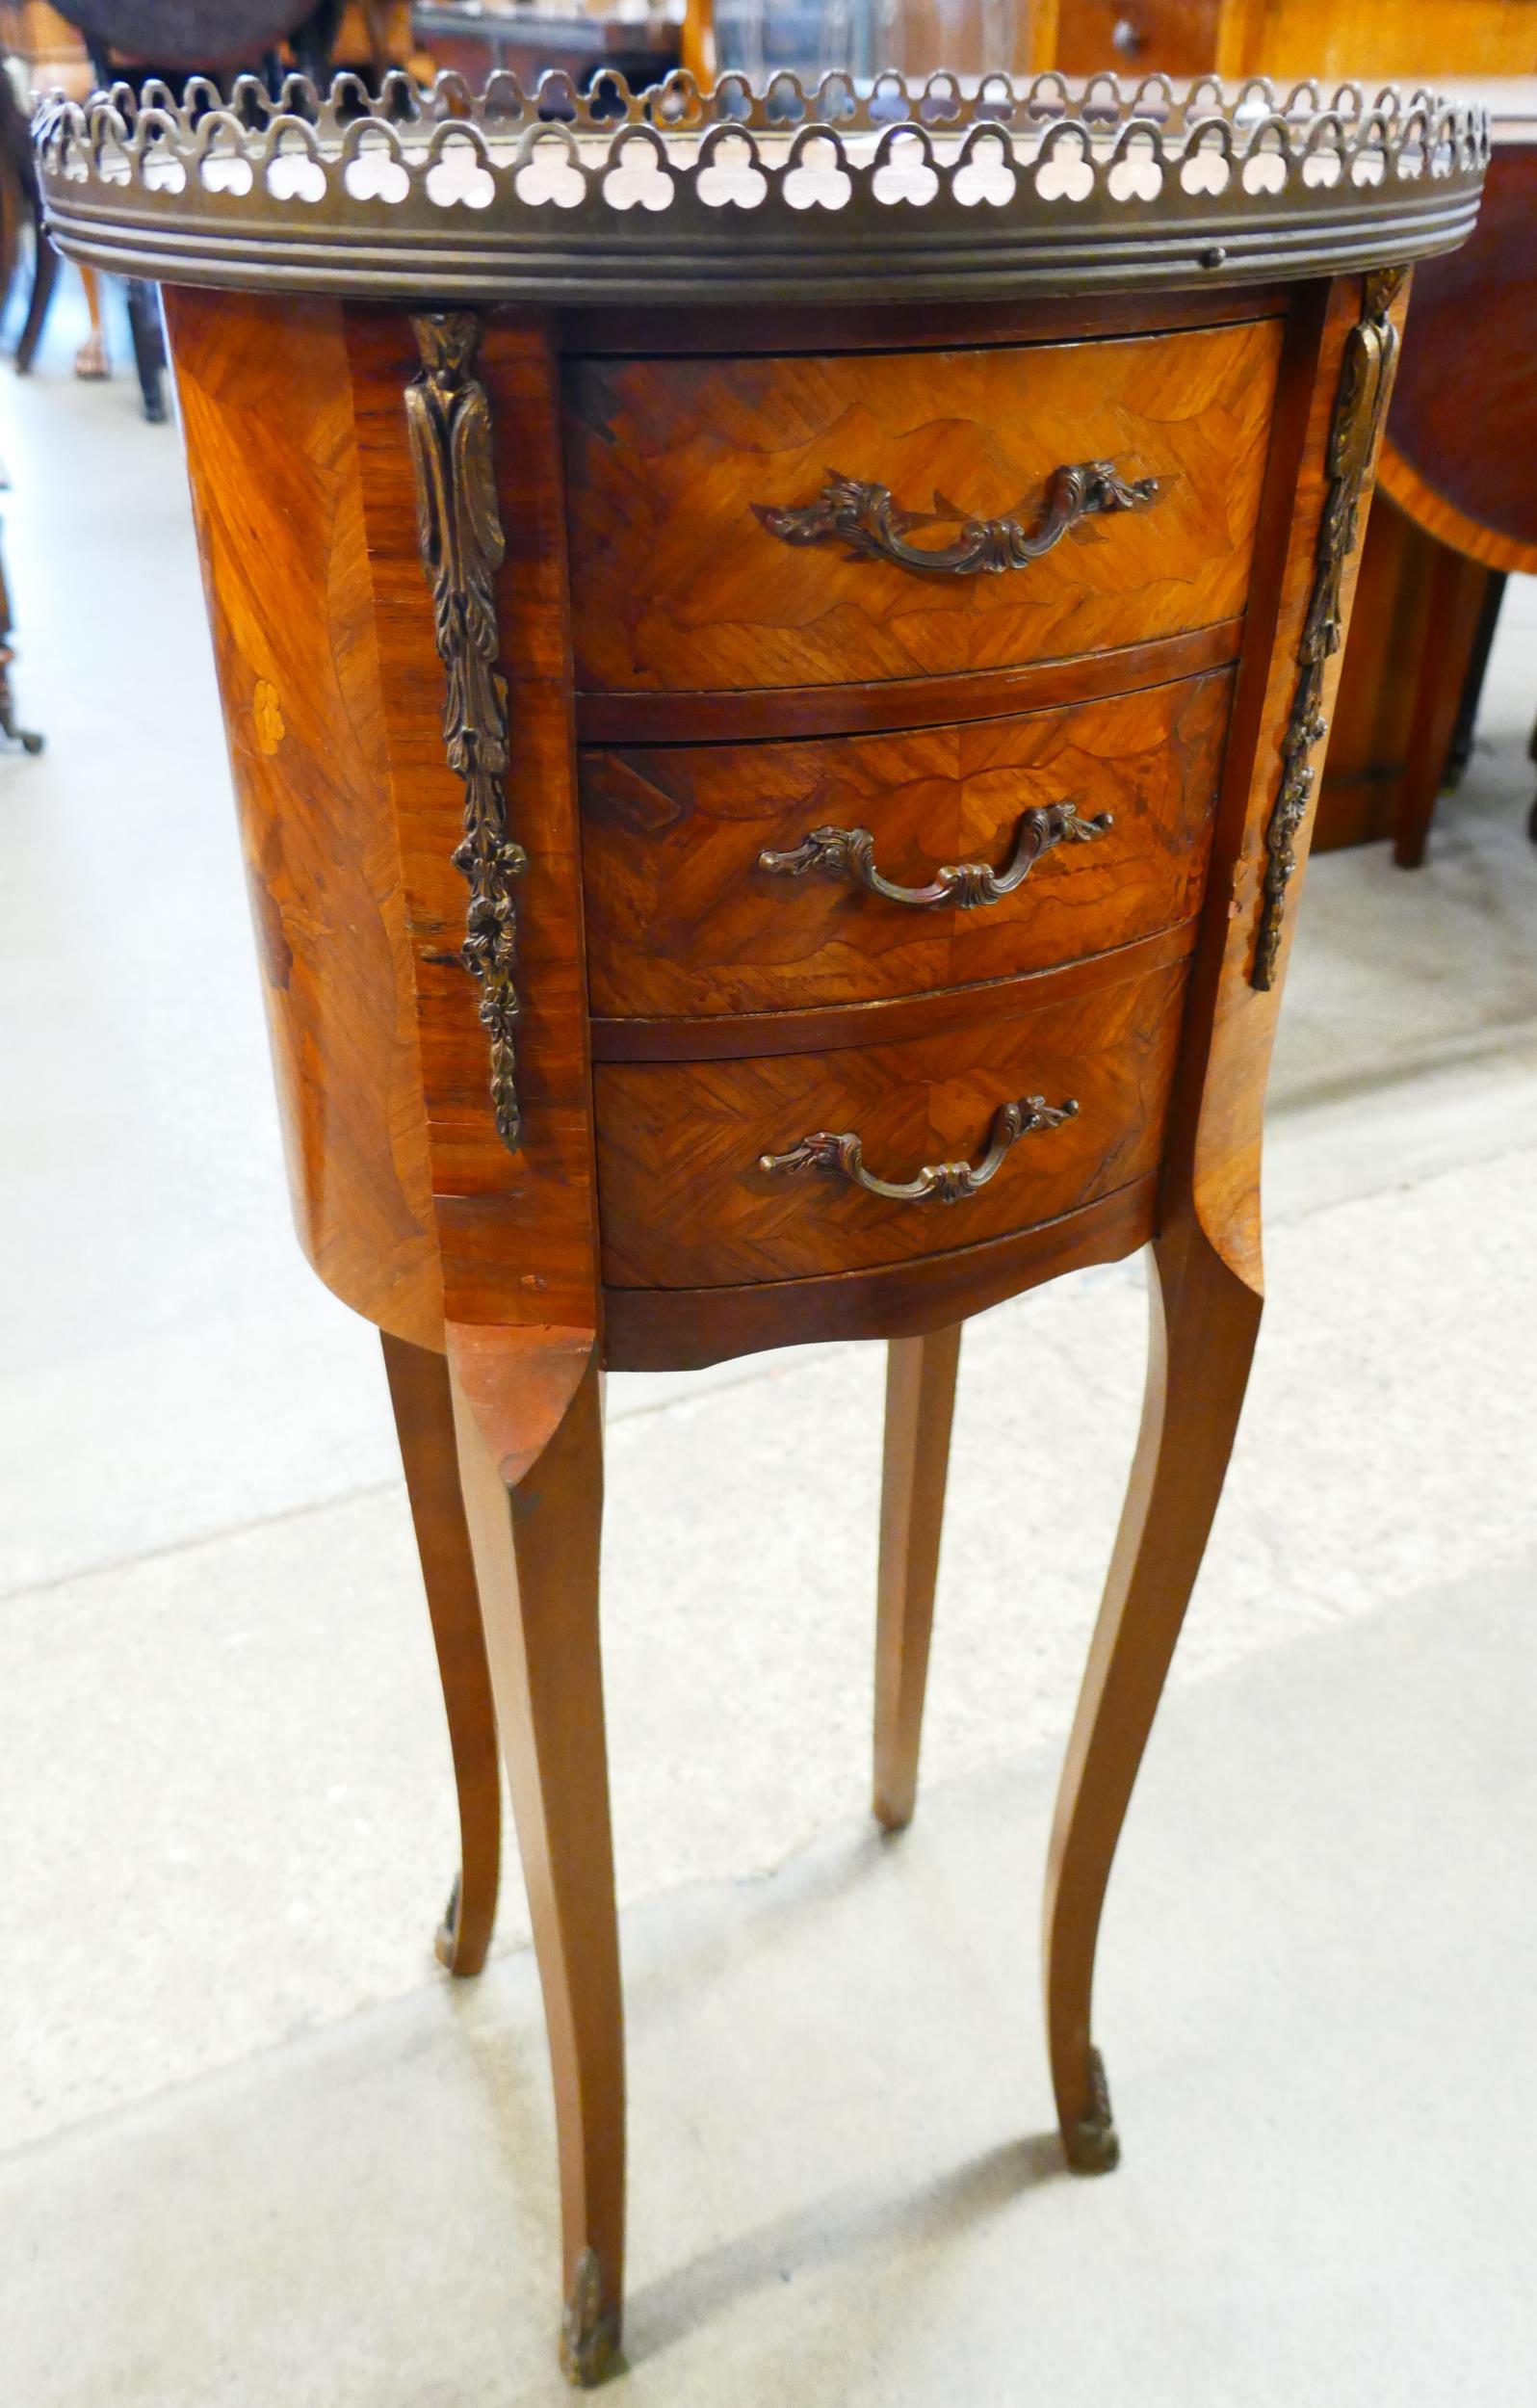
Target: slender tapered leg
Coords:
[(533, 1505), (424, 1422), (1205, 1319), (920, 1406)]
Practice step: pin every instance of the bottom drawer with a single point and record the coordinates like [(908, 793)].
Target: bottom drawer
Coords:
[(688, 1199)]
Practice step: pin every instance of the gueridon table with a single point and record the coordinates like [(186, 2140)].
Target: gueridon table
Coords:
[(775, 649)]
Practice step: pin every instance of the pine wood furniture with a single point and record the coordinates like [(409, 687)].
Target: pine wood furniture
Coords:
[(774, 658)]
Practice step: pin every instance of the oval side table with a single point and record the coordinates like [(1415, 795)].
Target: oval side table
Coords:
[(774, 652)]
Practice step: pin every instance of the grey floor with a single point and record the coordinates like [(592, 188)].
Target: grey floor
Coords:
[(253, 2147)]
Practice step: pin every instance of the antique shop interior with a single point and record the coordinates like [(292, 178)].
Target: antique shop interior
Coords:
[(678, 684)]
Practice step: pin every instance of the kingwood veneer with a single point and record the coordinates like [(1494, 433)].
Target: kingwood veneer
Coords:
[(773, 680)]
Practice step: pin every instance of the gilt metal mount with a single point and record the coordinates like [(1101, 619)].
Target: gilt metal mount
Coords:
[(459, 531), (962, 886), (588, 2331), (1094, 2145), (1366, 381), (869, 522)]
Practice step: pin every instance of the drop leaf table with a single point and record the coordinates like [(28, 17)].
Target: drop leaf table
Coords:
[(775, 648)]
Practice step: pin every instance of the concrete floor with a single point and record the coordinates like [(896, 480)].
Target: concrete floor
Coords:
[(252, 2148)]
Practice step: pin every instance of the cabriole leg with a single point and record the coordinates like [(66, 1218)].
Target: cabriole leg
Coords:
[(535, 1509), (424, 1422), (1205, 1319), (919, 1406)]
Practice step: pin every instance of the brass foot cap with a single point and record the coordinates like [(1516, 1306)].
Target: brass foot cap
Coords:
[(446, 1938), (590, 2332), (1093, 2143)]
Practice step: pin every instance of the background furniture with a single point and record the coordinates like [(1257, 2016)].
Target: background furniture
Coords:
[(538, 35), (1286, 39), (773, 681), (77, 48), (1459, 467)]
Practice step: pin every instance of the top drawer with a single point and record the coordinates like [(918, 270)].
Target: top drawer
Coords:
[(676, 469)]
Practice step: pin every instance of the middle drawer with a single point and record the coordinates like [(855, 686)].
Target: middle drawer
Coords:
[(685, 917)]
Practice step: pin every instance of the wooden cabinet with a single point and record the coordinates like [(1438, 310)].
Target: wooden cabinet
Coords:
[(774, 739)]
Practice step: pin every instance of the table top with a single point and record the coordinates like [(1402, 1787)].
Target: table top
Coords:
[(893, 192), (1460, 449)]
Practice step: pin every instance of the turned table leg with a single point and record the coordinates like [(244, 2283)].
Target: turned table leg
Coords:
[(531, 1462), (920, 1406), (424, 1422), (1205, 1319)]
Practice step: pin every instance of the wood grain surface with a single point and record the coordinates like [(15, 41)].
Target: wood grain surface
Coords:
[(266, 406), (737, 1037), (920, 1408), (680, 1329), (683, 919), (677, 584), (684, 1203), (869, 707)]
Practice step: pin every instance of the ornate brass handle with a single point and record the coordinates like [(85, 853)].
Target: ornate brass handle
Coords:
[(945, 1183), (865, 518), (963, 885)]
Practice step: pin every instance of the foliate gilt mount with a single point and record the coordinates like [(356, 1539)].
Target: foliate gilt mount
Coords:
[(843, 1154), (960, 886), (868, 522), (460, 534), (1366, 382)]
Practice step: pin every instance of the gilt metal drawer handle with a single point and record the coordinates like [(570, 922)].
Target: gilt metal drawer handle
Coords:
[(962, 886), (865, 518), (945, 1183)]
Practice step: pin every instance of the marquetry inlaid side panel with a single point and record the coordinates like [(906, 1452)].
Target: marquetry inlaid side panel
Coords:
[(266, 406), (1217, 1120), (517, 1223)]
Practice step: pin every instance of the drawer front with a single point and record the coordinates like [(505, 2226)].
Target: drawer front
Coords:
[(686, 1201), (685, 917), (1138, 37), (684, 578)]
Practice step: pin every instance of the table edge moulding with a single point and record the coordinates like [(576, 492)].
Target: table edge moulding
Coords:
[(945, 777)]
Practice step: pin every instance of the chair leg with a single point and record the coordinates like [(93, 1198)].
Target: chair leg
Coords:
[(919, 1406), (533, 1505), (1205, 1319), (150, 345), (424, 1422), (44, 276)]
